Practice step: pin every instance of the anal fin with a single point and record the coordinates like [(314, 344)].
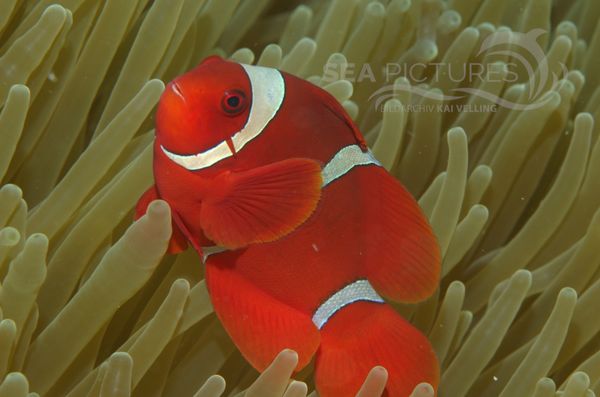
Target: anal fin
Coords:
[(260, 325)]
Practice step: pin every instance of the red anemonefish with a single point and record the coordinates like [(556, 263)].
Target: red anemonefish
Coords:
[(315, 233)]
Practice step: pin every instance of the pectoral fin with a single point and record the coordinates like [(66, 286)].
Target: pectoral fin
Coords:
[(262, 204)]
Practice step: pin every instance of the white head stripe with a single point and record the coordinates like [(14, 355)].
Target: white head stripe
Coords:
[(360, 290), (201, 160), (207, 252), (344, 160), (268, 91)]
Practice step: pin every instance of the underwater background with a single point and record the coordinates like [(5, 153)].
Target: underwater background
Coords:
[(505, 163)]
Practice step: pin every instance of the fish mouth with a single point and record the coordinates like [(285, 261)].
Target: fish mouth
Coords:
[(268, 92)]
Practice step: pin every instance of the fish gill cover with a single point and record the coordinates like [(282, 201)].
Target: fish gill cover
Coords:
[(484, 109)]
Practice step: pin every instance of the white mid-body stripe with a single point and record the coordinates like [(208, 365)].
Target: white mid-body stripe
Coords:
[(344, 160), (268, 92), (360, 290)]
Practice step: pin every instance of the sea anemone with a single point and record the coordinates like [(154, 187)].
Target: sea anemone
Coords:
[(505, 167)]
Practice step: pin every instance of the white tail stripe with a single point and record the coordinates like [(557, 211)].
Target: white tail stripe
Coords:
[(344, 160), (268, 92), (360, 290)]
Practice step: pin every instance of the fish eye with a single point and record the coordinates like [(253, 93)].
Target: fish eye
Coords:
[(233, 102)]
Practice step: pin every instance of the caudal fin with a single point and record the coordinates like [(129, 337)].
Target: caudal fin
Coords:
[(363, 335)]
